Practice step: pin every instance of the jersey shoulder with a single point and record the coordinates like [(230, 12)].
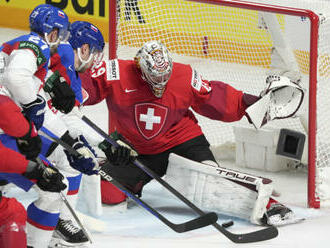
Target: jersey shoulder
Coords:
[(30, 42), (65, 51)]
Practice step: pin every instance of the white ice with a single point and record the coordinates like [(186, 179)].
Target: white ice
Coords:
[(136, 228)]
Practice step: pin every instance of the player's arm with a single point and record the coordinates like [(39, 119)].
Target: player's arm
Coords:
[(22, 81), (95, 82), (12, 161), (63, 83), (47, 178), (12, 122), (19, 76), (218, 100)]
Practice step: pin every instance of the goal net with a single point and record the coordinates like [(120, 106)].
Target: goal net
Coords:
[(240, 43)]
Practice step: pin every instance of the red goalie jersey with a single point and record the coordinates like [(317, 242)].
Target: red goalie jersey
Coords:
[(153, 125)]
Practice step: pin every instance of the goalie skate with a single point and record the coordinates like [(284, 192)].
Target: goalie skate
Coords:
[(68, 235), (280, 215)]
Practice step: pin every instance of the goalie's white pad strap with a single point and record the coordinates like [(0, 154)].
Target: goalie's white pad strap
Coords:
[(264, 193), (281, 99), (208, 189)]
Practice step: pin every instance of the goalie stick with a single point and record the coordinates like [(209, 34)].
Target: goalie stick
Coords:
[(199, 222), (256, 236)]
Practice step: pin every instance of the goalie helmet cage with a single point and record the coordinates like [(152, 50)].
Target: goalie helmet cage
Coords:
[(230, 42)]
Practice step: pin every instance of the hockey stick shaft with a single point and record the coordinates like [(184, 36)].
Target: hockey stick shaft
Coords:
[(202, 221), (72, 211), (260, 235)]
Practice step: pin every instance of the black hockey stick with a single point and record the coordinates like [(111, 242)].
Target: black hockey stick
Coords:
[(199, 222), (256, 236)]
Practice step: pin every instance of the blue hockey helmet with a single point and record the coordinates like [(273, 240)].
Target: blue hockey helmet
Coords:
[(86, 33), (45, 17)]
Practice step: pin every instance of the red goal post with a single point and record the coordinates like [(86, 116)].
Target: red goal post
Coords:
[(136, 33)]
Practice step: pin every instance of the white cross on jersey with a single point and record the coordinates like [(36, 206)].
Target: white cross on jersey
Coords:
[(150, 118)]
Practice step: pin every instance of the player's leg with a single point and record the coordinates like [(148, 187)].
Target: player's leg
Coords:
[(43, 216), (66, 231), (43, 213), (209, 180)]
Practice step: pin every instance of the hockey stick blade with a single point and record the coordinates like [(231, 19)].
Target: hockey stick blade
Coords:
[(199, 222), (257, 236)]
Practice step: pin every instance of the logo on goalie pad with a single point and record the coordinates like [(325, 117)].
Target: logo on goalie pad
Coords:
[(150, 119), (241, 177), (105, 175)]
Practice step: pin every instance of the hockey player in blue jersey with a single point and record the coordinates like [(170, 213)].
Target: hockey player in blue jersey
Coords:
[(85, 48)]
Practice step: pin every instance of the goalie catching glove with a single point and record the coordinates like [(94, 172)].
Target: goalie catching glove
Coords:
[(63, 97), (281, 99)]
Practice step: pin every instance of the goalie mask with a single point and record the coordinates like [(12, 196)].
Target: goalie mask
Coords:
[(156, 66)]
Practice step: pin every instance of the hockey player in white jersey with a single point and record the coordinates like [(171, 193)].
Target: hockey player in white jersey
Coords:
[(24, 65)]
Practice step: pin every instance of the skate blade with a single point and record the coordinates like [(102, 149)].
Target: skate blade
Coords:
[(60, 243)]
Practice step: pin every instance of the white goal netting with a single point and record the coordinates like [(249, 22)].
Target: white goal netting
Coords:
[(234, 44)]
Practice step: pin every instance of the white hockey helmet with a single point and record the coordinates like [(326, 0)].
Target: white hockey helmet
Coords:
[(156, 66)]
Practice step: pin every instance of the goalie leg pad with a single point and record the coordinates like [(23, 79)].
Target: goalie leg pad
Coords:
[(203, 185)]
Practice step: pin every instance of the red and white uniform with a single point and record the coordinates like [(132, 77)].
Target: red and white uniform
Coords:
[(162, 122)]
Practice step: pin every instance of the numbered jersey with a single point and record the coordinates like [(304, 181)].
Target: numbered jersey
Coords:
[(152, 124), (24, 62)]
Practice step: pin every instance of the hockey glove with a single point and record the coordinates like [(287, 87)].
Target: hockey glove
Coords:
[(82, 164), (48, 178), (30, 144), (63, 97), (86, 163), (81, 145), (119, 156), (35, 111)]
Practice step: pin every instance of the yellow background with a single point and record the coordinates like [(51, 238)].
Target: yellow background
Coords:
[(15, 13)]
